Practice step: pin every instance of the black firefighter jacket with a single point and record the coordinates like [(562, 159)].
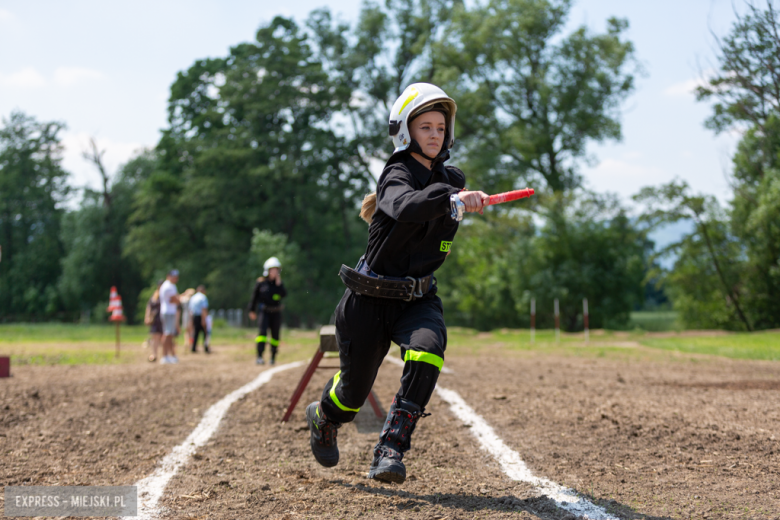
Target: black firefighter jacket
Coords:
[(412, 230)]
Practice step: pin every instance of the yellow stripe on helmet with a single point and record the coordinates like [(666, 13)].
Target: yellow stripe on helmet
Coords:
[(414, 94)]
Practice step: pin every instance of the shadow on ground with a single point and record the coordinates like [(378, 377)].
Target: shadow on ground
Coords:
[(366, 420), (541, 507)]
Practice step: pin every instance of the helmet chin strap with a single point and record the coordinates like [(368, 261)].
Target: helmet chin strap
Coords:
[(414, 147)]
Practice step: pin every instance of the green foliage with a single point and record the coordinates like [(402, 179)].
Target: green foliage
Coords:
[(531, 97), (474, 282), (32, 187), (755, 219), (745, 90), (266, 244), (93, 239), (299, 301), (249, 147), (695, 284), (269, 151), (728, 271), (706, 281), (589, 250), (592, 251)]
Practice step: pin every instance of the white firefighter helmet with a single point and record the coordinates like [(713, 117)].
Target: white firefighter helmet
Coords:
[(414, 100), (271, 262)]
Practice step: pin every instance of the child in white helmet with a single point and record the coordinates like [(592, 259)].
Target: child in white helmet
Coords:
[(267, 304), (391, 294)]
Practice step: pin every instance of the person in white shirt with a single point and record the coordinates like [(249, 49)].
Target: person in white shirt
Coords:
[(199, 310), (169, 308)]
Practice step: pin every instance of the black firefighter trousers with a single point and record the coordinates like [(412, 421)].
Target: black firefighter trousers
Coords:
[(272, 319), (365, 326)]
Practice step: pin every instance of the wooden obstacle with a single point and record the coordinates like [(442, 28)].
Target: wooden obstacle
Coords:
[(327, 344), (5, 366)]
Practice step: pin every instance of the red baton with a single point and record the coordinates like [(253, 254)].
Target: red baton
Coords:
[(509, 196)]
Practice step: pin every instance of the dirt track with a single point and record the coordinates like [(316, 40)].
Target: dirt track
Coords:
[(689, 438)]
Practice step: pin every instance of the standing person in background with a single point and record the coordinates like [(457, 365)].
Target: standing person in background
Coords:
[(268, 294), (186, 317), (199, 310), (169, 306), (152, 318)]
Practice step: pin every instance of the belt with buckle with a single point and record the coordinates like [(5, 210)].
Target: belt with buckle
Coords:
[(363, 281)]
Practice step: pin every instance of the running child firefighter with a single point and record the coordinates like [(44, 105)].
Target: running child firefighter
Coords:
[(391, 294)]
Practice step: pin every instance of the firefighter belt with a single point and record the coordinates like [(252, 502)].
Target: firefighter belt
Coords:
[(370, 284)]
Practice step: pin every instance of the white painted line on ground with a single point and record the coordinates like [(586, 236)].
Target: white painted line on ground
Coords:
[(151, 488), (512, 464)]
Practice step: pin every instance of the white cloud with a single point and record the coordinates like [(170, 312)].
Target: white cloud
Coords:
[(687, 88), (624, 177), (69, 76), (85, 173), (25, 78), (684, 88), (6, 16)]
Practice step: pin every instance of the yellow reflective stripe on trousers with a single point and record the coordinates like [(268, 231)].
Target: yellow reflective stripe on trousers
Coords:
[(274, 342), (335, 399), (261, 339), (424, 357)]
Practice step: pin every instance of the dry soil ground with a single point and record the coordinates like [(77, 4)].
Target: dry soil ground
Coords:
[(647, 438)]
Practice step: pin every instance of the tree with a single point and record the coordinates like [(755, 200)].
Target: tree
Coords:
[(746, 90), (250, 146), (32, 189), (503, 261), (93, 237), (476, 287), (372, 63), (709, 254), (527, 109), (746, 96), (695, 282), (530, 98)]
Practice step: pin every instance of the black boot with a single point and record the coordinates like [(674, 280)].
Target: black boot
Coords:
[(323, 435), (395, 441)]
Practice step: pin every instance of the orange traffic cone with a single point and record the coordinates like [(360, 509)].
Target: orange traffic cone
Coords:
[(115, 306)]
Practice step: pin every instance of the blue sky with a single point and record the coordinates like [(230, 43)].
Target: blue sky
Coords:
[(104, 68)]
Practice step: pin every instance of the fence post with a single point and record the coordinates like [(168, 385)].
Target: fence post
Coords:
[(533, 318), (557, 322), (585, 318)]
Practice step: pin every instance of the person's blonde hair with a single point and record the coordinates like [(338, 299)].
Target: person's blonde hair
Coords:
[(368, 208)]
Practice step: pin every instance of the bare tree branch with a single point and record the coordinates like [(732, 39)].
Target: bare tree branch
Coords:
[(95, 156)]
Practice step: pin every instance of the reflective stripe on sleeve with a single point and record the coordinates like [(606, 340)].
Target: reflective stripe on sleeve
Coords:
[(424, 357), (335, 399)]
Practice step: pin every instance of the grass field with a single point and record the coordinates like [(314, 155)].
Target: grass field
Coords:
[(67, 344), (64, 344), (757, 345), (656, 321)]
